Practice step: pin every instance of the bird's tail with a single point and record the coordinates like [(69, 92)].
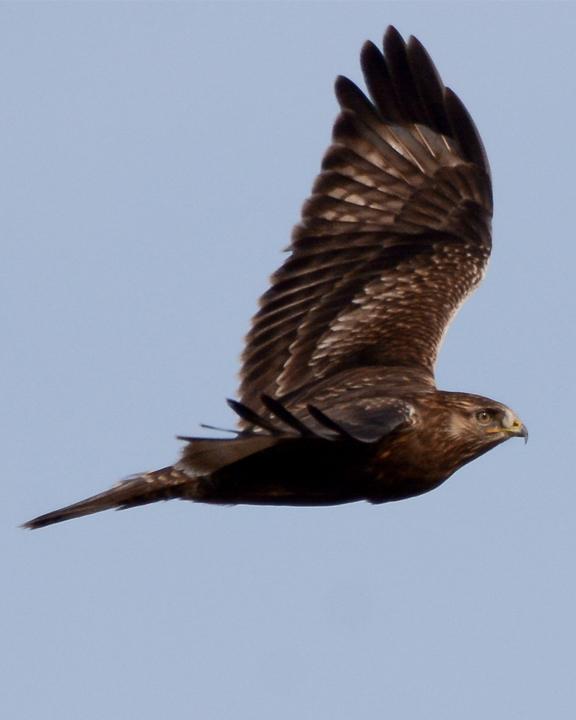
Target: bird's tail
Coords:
[(142, 489), (189, 479), (294, 465)]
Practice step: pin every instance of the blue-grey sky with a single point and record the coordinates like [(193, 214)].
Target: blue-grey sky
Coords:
[(154, 159)]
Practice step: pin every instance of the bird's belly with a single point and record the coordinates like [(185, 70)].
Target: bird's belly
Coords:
[(397, 475), (391, 488)]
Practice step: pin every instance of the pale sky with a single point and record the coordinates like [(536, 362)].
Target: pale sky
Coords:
[(155, 157)]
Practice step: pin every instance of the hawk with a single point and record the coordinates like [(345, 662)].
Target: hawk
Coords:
[(338, 401)]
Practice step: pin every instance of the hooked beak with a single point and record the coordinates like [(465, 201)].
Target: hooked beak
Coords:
[(514, 428), (518, 429)]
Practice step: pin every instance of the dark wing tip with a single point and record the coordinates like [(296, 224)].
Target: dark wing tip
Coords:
[(350, 97), (378, 82), (368, 50), (251, 417), (429, 85), (465, 130), (405, 87), (392, 40), (276, 408)]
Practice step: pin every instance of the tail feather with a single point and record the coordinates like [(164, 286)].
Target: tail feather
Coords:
[(164, 484), (272, 466), (185, 480)]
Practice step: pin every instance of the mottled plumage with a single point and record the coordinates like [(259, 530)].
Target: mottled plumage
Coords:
[(338, 399)]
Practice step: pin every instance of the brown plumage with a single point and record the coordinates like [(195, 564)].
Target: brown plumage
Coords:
[(338, 399)]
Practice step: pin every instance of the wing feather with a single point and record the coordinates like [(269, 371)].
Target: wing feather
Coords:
[(394, 236)]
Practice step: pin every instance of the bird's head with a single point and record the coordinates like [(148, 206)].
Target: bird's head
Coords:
[(476, 424)]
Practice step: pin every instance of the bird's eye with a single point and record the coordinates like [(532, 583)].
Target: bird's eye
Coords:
[(484, 417)]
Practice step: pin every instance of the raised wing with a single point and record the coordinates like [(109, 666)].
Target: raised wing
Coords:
[(394, 237)]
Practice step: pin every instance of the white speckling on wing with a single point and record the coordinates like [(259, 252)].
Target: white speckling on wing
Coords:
[(388, 315), (342, 293)]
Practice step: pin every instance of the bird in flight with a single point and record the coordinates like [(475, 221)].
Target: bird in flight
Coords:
[(338, 401)]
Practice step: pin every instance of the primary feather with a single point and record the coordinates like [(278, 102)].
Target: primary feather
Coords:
[(393, 238)]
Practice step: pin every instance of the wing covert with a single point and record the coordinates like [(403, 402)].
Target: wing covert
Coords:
[(394, 236)]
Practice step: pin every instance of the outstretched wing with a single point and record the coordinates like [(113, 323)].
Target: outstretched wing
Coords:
[(394, 237)]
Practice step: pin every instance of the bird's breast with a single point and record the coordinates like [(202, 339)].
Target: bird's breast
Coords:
[(404, 467)]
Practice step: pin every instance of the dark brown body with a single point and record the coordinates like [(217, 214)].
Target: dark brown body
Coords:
[(315, 473), (330, 470), (297, 455)]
